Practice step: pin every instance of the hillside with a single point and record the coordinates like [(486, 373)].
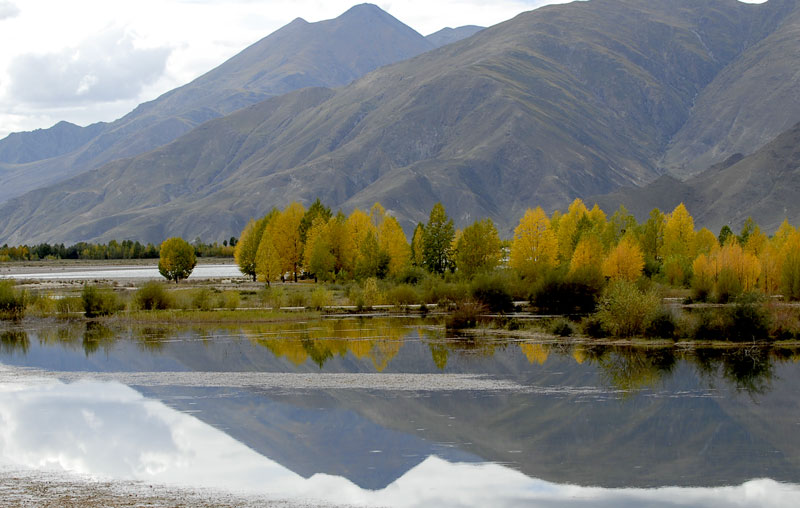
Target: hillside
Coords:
[(327, 53), (747, 105), (764, 185), (449, 35), (565, 101)]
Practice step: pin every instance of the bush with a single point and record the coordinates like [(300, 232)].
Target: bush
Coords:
[(201, 299), (69, 305), (321, 298), (593, 327), (435, 290), (662, 326), (748, 320), (228, 300), (492, 293), (561, 327), (372, 295), (402, 294), (411, 275), (625, 310), (297, 299), (152, 296), (99, 302), (272, 296), (12, 301), (466, 315), (555, 296)]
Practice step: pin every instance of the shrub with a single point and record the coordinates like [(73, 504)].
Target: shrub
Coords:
[(556, 296), (728, 285), (152, 296), (12, 301), (662, 326), (625, 310), (561, 327), (435, 290), (402, 294), (201, 299), (748, 319), (228, 300), (492, 293), (99, 302), (69, 305), (320, 298), (372, 295), (466, 315), (411, 275), (272, 296), (296, 299), (593, 327)]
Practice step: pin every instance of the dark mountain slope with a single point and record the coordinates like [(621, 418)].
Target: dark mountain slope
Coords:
[(63, 137), (562, 102), (748, 104), (328, 53), (764, 185), (449, 35)]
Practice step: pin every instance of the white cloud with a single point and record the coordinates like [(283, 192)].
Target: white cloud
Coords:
[(104, 68), (8, 10)]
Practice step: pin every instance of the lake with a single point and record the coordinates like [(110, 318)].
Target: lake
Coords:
[(114, 273), (390, 411)]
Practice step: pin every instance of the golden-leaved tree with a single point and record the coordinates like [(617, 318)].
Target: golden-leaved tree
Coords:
[(535, 247), (285, 232), (625, 261)]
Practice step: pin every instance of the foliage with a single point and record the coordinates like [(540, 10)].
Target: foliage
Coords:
[(152, 296), (561, 327), (625, 261), (99, 301), (247, 247), (556, 295), (625, 310), (492, 293), (535, 246), (176, 259), (321, 298), (478, 249), (466, 315), (12, 301), (402, 294), (285, 232), (437, 240)]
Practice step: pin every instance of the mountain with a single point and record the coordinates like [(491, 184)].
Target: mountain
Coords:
[(763, 185), (327, 53), (747, 105), (565, 101), (450, 35)]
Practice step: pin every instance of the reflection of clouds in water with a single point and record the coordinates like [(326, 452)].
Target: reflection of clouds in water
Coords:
[(110, 430)]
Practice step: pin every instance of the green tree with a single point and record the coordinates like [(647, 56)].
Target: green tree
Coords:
[(176, 260), (417, 245), (478, 248), (316, 210), (437, 241), (724, 234)]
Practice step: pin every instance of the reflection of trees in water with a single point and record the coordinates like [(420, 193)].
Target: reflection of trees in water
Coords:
[(748, 369), (96, 336), (373, 339), (14, 341)]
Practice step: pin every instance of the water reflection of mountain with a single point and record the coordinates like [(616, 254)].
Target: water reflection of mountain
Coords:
[(698, 423)]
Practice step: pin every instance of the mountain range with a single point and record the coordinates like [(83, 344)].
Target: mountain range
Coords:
[(574, 100)]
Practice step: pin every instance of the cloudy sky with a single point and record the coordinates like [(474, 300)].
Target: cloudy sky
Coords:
[(94, 60)]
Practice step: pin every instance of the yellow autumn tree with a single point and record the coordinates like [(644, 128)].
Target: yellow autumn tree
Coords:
[(393, 242), (587, 260), (285, 233), (679, 242), (477, 248), (268, 261), (359, 228), (568, 224), (417, 245), (625, 261), (535, 247)]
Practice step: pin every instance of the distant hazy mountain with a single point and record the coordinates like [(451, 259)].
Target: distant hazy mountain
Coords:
[(764, 185), (301, 54), (449, 35), (566, 101)]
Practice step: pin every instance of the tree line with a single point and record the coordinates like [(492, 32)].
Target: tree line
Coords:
[(127, 249), (581, 245)]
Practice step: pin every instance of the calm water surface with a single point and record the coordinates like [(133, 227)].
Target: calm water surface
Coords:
[(392, 412)]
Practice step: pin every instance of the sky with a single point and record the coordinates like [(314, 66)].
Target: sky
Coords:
[(86, 61)]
